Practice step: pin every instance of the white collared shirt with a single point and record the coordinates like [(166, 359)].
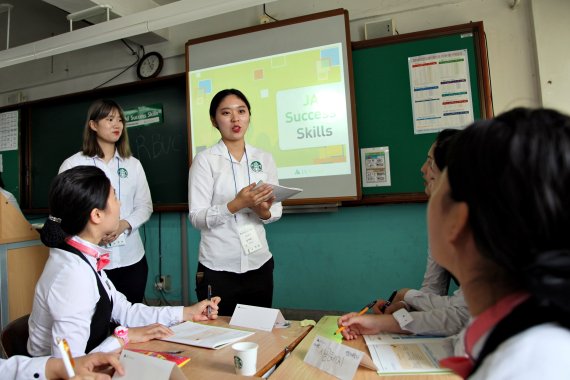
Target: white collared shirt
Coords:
[(21, 367), (65, 300), (540, 352), (436, 278), (434, 312), (136, 202), (211, 187)]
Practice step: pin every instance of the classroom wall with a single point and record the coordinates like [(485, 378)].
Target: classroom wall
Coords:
[(510, 34), (337, 260), (327, 261)]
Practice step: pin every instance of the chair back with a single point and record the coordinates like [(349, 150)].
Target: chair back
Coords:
[(15, 337)]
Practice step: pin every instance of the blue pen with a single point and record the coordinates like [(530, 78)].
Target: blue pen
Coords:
[(209, 299)]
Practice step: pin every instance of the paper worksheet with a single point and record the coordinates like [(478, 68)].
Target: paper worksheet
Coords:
[(202, 335), (281, 192), (401, 354)]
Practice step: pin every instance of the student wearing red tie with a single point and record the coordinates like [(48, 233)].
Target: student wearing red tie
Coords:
[(498, 220), (74, 298)]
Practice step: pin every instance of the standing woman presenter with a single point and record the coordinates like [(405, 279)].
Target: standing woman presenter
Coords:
[(230, 211), (106, 146)]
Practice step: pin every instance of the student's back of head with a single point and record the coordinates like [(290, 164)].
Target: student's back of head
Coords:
[(73, 195), (514, 174)]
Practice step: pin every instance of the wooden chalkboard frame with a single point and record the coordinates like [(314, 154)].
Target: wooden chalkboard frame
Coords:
[(483, 94)]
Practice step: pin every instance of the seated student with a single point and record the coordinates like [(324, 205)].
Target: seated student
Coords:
[(11, 199), (74, 298), (428, 310), (23, 367), (498, 220)]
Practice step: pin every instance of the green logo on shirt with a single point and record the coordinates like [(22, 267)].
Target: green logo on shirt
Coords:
[(122, 172), (256, 166)]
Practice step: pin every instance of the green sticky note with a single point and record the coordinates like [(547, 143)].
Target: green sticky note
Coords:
[(327, 326)]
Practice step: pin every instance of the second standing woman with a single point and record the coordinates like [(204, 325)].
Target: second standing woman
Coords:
[(230, 211), (106, 146)]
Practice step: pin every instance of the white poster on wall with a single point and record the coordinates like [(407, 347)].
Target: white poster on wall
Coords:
[(8, 131), (440, 91)]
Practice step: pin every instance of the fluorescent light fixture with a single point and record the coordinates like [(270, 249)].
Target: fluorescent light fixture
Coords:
[(179, 12), (89, 12)]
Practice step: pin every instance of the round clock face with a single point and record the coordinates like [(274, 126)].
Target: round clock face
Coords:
[(149, 66)]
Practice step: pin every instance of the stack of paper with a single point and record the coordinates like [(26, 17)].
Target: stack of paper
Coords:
[(196, 334)]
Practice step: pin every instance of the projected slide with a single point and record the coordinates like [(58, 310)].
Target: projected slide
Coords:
[(299, 109)]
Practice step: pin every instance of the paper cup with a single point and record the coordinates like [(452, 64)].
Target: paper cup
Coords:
[(245, 358)]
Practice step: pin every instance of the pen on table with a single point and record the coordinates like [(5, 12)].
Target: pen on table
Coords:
[(364, 310), (389, 302), (209, 299), (66, 356)]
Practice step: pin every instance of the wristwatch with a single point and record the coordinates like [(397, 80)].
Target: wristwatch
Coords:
[(122, 333)]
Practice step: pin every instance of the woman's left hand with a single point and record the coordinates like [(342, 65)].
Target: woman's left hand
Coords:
[(109, 238)]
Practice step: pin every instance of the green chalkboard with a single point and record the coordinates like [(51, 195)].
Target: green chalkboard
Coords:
[(56, 129), (383, 100)]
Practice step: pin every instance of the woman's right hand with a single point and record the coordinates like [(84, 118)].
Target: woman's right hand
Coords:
[(355, 325), (146, 333)]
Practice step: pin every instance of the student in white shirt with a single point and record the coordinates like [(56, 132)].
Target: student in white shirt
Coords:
[(498, 220), (224, 202), (22, 367), (106, 145), (429, 310), (74, 298)]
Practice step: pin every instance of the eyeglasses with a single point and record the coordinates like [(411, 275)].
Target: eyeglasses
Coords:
[(431, 162)]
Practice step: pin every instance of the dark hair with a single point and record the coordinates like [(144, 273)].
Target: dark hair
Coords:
[(2, 182), (99, 110), (514, 174), (217, 99), (442, 143), (73, 194)]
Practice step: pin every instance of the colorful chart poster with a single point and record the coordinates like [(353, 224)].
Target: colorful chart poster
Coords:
[(375, 166), (440, 91)]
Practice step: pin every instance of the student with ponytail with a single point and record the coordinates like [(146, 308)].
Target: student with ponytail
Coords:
[(74, 297), (498, 220)]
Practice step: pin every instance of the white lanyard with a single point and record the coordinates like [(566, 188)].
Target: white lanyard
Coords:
[(234, 174)]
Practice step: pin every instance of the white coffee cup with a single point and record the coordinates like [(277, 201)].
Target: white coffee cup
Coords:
[(245, 358)]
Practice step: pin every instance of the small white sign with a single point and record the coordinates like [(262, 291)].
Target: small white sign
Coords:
[(333, 358), (255, 317), (142, 367)]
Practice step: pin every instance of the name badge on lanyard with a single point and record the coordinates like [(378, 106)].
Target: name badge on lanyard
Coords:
[(249, 239)]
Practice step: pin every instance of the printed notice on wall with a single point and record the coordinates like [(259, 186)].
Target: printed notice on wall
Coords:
[(8, 131), (441, 91), (375, 166)]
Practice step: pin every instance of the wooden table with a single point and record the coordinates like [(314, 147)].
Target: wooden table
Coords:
[(294, 366), (219, 364)]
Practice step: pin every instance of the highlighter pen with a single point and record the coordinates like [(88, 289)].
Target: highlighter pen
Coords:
[(389, 302), (66, 356), (209, 299), (364, 310)]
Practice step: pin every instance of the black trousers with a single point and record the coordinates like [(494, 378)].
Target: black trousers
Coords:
[(130, 280), (250, 288)]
